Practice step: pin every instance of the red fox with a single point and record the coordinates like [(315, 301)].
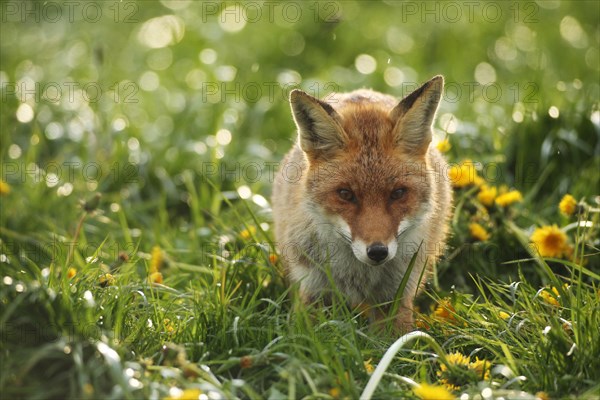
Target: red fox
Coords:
[(359, 193)]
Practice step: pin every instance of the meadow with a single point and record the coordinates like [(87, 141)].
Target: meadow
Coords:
[(138, 145)]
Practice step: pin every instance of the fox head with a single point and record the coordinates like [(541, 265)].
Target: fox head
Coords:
[(368, 174)]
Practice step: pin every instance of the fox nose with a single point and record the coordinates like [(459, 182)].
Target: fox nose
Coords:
[(377, 251)]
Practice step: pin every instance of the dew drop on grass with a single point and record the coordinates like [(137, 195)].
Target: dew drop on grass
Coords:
[(25, 113), (208, 56), (595, 118), (244, 192), (65, 190), (260, 201), (54, 131), (546, 330), (223, 137), (518, 116), (365, 64), (486, 393), (119, 124), (52, 179), (89, 299), (229, 19), (14, 151), (111, 356), (135, 384)]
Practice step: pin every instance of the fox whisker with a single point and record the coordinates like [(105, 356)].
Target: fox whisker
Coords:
[(401, 233), (344, 236)]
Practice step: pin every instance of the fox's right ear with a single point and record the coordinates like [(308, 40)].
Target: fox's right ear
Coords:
[(414, 115), (319, 125)]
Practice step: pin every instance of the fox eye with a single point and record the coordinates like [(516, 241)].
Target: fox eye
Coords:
[(347, 195), (398, 193)]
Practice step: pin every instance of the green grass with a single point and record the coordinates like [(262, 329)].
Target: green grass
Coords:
[(180, 196)]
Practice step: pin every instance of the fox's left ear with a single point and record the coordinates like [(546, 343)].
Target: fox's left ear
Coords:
[(413, 116)]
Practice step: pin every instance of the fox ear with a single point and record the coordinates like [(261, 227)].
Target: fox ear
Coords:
[(319, 125), (414, 115)]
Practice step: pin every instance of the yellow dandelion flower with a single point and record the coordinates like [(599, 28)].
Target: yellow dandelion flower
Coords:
[(421, 324), (106, 280), (478, 232), (426, 391), (481, 368), (444, 310), (88, 389), (448, 377), (155, 277), (508, 198), (248, 233), (487, 195), (464, 174), (568, 205), (503, 315), (335, 392), (547, 296), (449, 385), (368, 366), (444, 145), (156, 259), (71, 272), (187, 394), (549, 241), (542, 396), (456, 358), (4, 188), (169, 327), (565, 288)]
